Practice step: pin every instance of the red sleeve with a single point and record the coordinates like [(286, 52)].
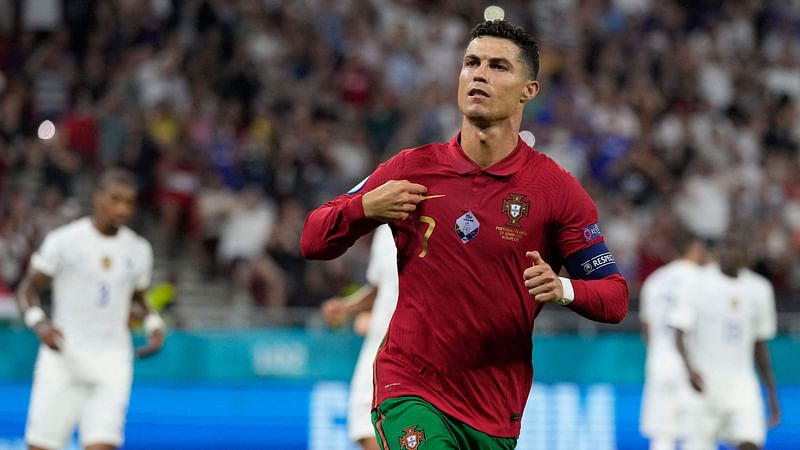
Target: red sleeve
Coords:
[(603, 300), (601, 292), (335, 226)]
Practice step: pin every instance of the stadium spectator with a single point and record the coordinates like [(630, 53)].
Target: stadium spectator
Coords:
[(242, 249), (630, 104)]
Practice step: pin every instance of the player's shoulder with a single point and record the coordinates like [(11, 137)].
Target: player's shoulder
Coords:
[(547, 166), (755, 280), (662, 274), (675, 273), (134, 239), (554, 183), (424, 154), (70, 231)]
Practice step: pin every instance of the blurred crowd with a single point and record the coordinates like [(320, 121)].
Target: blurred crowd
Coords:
[(239, 116)]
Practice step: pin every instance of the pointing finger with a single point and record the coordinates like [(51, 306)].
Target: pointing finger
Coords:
[(415, 188)]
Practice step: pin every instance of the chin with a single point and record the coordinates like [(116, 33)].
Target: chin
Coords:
[(479, 118)]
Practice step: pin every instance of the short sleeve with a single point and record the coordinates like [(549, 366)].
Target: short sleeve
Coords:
[(48, 258), (146, 273), (381, 255), (683, 313), (645, 298), (766, 321)]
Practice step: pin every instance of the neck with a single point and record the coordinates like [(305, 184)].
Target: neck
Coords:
[(105, 229), (730, 271), (486, 145)]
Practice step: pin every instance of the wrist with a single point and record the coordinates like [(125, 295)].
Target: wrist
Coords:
[(365, 209), (152, 323), (34, 316), (568, 295)]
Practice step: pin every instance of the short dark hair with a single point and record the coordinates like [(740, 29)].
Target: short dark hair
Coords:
[(528, 47), (115, 175)]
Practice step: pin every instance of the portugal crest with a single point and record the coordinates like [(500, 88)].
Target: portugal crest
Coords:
[(412, 439), (515, 209)]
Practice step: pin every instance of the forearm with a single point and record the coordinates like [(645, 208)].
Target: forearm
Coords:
[(604, 300), (29, 288), (27, 296), (139, 308), (333, 228), (680, 345), (764, 367), (361, 300)]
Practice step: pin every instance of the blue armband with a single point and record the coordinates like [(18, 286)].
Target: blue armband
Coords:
[(591, 263)]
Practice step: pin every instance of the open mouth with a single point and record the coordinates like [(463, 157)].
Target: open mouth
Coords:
[(475, 92)]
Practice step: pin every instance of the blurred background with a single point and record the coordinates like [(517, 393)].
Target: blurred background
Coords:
[(238, 117)]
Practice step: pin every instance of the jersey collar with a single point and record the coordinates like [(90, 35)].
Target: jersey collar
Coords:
[(506, 166)]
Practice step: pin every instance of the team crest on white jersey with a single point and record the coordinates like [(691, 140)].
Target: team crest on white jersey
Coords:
[(105, 262)]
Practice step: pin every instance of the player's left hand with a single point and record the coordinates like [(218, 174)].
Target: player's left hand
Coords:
[(542, 283), (361, 322), (155, 341)]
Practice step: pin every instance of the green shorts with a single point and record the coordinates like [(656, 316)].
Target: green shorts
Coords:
[(411, 423)]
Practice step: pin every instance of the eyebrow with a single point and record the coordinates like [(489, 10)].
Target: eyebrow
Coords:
[(495, 60)]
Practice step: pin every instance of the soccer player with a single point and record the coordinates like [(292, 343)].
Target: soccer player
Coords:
[(98, 270), (724, 318), (379, 296), (666, 386), (482, 224)]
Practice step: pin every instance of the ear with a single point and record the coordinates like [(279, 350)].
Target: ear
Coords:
[(529, 91)]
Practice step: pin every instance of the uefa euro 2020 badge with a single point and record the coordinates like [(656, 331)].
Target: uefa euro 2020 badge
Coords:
[(467, 227)]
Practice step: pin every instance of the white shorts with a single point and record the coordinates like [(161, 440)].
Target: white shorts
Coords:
[(733, 418), (359, 421), (72, 389), (664, 406)]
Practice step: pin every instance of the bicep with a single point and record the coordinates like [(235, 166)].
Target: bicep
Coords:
[(767, 322), (578, 236), (146, 273), (139, 304), (39, 281)]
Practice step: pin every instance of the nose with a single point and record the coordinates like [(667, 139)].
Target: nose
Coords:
[(478, 74)]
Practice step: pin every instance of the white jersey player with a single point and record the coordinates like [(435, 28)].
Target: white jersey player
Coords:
[(666, 386), (98, 269), (724, 320), (381, 295)]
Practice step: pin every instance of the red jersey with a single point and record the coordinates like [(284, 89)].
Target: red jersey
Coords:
[(461, 336)]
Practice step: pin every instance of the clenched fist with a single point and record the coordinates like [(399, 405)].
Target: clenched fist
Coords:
[(542, 283)]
